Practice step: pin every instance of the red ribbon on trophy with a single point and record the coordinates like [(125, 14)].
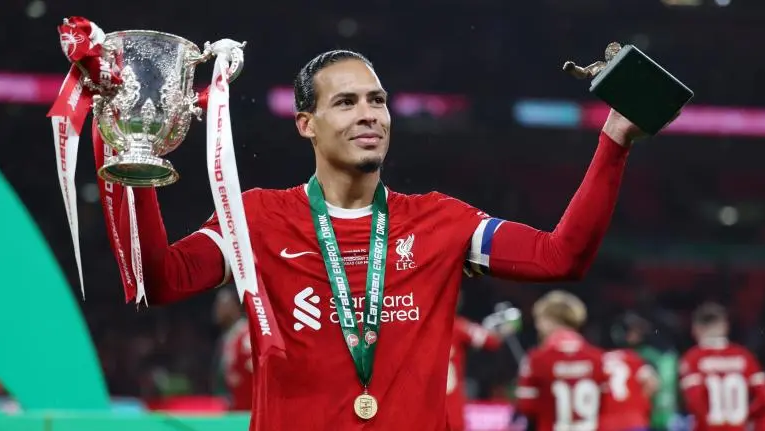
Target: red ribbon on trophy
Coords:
[(91, 73), (96, 71), (111, 195), (82, 43)]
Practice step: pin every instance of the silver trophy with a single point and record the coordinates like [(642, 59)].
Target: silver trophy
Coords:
[(149, 114)]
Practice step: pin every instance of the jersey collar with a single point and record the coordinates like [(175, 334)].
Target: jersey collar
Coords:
[(346, 213), (563, 337), (713, 342)]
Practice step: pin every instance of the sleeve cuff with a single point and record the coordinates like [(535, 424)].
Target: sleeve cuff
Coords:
[(218, 240)]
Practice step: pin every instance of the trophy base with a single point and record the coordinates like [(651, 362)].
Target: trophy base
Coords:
[(148, 171)]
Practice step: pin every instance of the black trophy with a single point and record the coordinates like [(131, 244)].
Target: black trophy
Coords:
[(635, 86)]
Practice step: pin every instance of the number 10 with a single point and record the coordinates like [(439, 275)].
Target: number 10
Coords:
[(728, 399)]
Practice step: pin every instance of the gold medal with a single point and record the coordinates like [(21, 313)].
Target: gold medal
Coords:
[(365, 406)]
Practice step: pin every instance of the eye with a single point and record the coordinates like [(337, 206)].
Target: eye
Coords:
[(380, 100), (344, 102)]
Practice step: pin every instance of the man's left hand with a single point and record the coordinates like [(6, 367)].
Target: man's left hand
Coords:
[(623, 131)]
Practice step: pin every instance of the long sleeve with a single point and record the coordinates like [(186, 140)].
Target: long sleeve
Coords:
[(171, 272), (527, 391), (756, 381), (478, 336), (521, 252), (693, 392), (695, 403), (757, 404)]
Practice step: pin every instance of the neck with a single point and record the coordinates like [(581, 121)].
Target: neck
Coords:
[(713, 340), (347, 189), (558, 330), (230, 322)]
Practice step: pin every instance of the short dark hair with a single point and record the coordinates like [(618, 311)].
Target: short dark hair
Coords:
[(305, 89), (709, 313)]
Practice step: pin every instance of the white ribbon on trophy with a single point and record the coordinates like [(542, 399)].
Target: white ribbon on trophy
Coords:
[(135, 249), (133, 129), (93, 71), (68, 115), (67, 140), (222, 171)]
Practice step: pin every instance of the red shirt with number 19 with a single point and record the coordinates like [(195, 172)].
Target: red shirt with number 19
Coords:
[(431, 236), (561, 383)]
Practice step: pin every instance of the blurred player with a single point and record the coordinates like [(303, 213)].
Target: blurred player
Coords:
[(722, 382), (631, 383), (235, 366), (468, 334), (632, 332), (561, 380)]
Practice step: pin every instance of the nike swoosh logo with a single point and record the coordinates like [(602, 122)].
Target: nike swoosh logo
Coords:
[(287, 255)]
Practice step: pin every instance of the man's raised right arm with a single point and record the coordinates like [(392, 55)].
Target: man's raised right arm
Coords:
[(172, 272)]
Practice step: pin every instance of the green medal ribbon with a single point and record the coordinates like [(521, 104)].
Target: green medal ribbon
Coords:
[(362, 350)]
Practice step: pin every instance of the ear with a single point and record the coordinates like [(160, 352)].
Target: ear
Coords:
[(304, 124)]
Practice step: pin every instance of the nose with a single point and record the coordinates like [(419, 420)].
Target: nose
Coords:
[(367, 114)]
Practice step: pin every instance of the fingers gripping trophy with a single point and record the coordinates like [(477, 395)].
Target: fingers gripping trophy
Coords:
[(139, 86)]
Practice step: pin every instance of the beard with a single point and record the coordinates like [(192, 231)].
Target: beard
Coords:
[(369, 165)]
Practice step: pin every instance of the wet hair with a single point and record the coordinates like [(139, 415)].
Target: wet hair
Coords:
[(305, 87)]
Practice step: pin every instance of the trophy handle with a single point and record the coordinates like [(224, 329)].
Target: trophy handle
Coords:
[(233, 50)]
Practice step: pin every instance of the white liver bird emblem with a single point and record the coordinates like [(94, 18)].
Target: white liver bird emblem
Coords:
[(404, 248)]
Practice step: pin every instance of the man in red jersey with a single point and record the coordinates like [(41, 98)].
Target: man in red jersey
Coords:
[(343, 250), (561, 381), (631, 383), (722, 382), (235, 364), (466, 334)]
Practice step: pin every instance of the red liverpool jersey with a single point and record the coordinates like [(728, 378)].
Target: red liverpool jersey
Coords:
[(561, 384), (466, 334), (429, 237), (315, 388), (626, 406), (722, 384), (237, 365)]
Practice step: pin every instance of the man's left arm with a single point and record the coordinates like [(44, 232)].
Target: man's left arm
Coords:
[(520, 252), (482, 338), (527, 391), (691, 385), (756, 382)]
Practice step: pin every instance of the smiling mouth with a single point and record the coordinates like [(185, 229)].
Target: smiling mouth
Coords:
[(367, 140)]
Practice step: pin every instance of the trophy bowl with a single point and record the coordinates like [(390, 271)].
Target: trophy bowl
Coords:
[(148, 115)]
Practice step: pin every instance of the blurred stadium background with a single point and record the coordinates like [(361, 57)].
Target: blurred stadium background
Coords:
[(481, 111)]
